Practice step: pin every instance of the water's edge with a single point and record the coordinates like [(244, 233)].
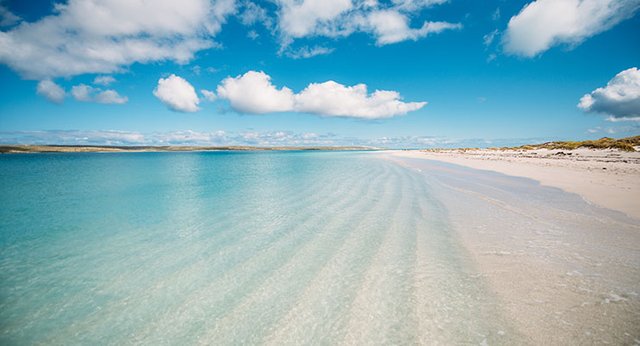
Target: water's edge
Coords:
[(299, 247)]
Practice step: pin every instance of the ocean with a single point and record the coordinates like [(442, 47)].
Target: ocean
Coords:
[(290, 247)]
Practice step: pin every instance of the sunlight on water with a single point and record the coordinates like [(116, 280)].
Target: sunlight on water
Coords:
[(231, 248)]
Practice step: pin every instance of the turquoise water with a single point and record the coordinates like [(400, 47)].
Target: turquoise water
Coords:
[(228, 248)]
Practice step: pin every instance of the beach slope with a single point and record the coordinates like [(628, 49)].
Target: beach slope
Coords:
[(609, 178)]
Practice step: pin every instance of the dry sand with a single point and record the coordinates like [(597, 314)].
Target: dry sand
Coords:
[(607, 178)]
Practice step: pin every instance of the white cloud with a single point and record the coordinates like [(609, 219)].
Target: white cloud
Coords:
[(388, 23), (82, 92), (104, 80), (212, 70), (110, 97), (178, 94), (334, 99), (180, 137), (488, 38), (620, 98), (615, 120), (85, 93), (105, 36), (391, 27), (51, 91), (302, 18), (413, 5), (266, 138), (543, 24), (209, 95), (252, 14), (73, 137), (254, 93), (308, 52), (598, 129), (252, 34), (8, 18)]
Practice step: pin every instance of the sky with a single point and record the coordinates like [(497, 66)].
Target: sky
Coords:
[(397, 73)]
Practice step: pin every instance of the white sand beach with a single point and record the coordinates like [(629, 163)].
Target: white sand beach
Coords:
[(606, 177), (563, 271)]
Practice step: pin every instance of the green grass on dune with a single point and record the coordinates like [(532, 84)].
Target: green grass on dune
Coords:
[(624, 144)]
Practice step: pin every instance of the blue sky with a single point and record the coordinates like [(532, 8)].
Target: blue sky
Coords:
[(284, 72)]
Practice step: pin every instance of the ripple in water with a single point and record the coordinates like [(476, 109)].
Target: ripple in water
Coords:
[(277, 248)]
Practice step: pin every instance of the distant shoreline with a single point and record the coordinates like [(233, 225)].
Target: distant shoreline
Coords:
[(35, 149), (628, 144)]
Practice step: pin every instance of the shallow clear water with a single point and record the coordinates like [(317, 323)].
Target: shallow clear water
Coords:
[(219, 247)]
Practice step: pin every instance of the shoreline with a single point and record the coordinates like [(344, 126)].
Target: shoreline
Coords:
[(604, 177), (539, 249), (40, 149), (348, 246)]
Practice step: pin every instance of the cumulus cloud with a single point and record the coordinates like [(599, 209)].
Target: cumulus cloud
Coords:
[(51, 91), (388, 23), (105, 36), (620, 98), (334, 99), (178, 94), (85, 93), (302, 18), (82, 92), (254, 93), (391, 27), (110, 96), (104, 80), (543, 24)]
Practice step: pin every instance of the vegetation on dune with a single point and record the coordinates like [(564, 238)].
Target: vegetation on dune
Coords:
[(624, 144)]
